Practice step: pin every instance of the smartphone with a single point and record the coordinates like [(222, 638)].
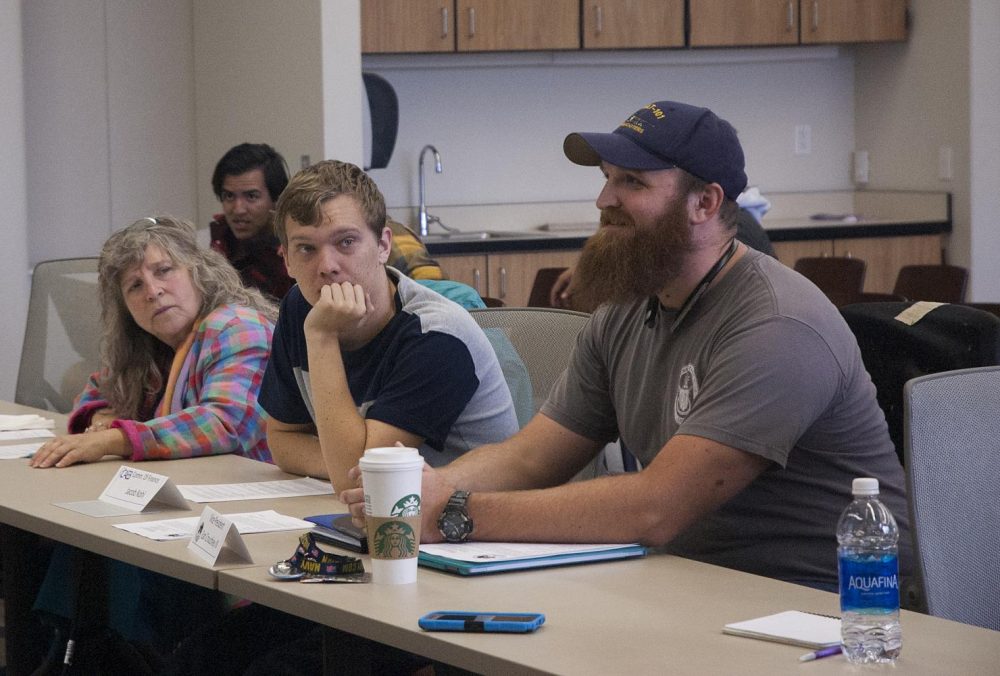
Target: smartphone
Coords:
[(461, 620)]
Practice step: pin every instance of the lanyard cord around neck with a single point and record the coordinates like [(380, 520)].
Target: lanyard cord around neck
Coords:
[(653, 305)]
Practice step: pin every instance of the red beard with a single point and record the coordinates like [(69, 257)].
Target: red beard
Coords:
[(625, 262)]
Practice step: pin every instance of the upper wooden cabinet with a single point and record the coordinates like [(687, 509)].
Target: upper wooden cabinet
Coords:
[(728, 23), (831, 21), (397, 26), (517, 25), (390, 26), (624, 24), (735, 23)]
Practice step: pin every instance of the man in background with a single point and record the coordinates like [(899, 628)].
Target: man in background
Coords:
[(248, 181)]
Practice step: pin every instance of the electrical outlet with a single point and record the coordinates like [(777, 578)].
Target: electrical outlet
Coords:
[(861, 166), (305, 161), (803, 139), (945, 168)]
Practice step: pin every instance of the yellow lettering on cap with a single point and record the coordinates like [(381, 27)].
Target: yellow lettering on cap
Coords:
[(631, 125), (657, 113)]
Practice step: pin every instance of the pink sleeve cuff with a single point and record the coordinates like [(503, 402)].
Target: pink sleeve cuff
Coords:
[(131, 431)]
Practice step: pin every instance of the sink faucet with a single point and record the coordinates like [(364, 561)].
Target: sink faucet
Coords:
[(426, 219)]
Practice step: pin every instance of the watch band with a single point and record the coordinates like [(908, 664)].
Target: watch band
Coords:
[(455, 523), (460, 500)]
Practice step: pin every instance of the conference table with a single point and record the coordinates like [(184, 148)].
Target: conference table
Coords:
[(657, 614)]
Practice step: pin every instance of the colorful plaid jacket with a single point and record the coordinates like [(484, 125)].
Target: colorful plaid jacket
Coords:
[(216, 410)]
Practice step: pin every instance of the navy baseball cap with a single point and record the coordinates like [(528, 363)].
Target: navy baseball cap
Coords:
[(664, 135)]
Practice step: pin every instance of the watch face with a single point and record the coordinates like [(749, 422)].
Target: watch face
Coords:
[(454, 526)]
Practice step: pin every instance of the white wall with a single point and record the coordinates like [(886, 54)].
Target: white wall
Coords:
[(984, 160), (500, 129), (258, 74), (14, 253), (109, 103), (282, 73), (912, 99)]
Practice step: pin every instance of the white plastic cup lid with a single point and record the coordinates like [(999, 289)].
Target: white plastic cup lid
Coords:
[(390, 459), (865, 486)]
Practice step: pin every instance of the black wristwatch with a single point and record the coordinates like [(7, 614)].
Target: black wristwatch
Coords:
[(454, 523)]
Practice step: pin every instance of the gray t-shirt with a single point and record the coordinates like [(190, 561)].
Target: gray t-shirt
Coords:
[(762, 363)]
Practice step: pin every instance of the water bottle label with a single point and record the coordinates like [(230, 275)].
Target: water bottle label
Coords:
[(869, 582)]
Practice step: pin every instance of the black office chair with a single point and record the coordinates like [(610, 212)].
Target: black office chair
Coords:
[(948, 337), (841, 279), (545, 278), (941, 283)]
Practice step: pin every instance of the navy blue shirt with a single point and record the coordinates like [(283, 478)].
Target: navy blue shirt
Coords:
[(430, 371)]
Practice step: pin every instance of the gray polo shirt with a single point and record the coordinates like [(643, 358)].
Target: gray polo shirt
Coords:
[(763, 363)]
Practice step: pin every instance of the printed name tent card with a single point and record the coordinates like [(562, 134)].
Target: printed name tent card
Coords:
[(131, 491), (214, 533)]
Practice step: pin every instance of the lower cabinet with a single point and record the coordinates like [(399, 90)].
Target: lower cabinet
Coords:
[(883, 256), (507, 276)]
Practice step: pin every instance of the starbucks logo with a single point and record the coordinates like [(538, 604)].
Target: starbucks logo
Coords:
[(406, 506), (395, 540)]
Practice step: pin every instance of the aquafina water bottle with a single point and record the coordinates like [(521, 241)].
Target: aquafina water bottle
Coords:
[(869, 577)]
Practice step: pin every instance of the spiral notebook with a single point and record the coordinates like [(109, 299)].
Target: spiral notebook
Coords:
[(793, 627)]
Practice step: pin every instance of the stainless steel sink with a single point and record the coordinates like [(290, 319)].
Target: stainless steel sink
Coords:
[(479, 235)]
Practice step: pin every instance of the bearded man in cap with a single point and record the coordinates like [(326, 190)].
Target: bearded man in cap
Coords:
[(731, 378)]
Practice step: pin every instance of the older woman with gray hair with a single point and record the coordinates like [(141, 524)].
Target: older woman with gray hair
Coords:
[(182, 355)]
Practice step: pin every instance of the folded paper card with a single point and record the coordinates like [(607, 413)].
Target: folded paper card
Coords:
[(793, 627), (131, 491), (214, 533)]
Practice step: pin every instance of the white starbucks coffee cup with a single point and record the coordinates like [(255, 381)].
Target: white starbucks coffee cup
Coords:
[(392, 477)]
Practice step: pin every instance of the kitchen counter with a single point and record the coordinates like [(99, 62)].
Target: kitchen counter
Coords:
[(866, 214)]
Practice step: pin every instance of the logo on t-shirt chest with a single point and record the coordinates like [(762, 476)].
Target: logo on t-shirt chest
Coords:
[(687, 392)]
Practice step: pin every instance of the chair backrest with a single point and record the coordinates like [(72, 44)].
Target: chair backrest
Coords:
[(840, 278), (947, 338), (952, 469), (941, 283), (540, 288), (383, 106), (543, 338), (62, 334), (490, 301)]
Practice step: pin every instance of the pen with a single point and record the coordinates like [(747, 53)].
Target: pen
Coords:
[(817, 654)]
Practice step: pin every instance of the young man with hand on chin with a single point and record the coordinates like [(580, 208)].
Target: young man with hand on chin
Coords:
[(362, 355)]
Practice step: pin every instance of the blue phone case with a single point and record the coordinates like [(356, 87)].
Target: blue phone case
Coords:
[(461, 620)]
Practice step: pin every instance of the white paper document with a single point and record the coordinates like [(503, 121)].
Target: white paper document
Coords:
[(14, 435), (28, 421), (288, 488), (477, 552), (14, 451), (266, 521)]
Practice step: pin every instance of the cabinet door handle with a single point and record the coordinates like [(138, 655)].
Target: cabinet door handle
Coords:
[(503, 282), (815, 21), (598, 19), (476, 277), (472, 22), (444, 22), (791, 16)]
